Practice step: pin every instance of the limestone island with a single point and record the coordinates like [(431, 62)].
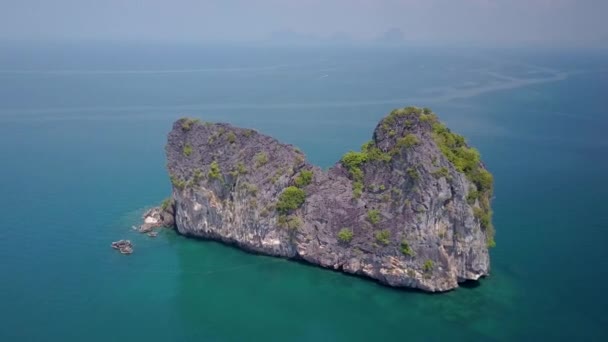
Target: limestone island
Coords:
[(411, 209)]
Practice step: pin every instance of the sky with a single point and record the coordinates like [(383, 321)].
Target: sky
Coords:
[(490, 22)]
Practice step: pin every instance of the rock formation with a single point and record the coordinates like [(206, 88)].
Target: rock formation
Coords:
[(123, 246), (411, 209), (162, 216)]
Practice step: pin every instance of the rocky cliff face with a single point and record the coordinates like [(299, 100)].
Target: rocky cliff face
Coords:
[(411, 209)]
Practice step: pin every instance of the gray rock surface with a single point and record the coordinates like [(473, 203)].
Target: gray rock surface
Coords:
[(228, 180), (123, 246), (163, 216)]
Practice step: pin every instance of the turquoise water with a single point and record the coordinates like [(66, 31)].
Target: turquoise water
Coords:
[(82, 131)]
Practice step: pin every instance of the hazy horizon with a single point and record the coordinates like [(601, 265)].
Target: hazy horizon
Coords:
[(547, 23)]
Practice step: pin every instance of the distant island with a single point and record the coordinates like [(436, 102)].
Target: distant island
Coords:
[(410, 209)]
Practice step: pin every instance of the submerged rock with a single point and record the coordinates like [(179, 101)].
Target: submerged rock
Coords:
[(411, 209)]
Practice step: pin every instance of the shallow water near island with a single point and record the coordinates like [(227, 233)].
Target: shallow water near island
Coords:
[(82, 142)]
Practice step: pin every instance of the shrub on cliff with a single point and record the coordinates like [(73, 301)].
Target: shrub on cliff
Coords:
[(483, 179), (240, 169), (383, 237), (260, 159), (408, 141), (304, 178), (465, 159), (167, 202), (290, 199), (177, 182), (353, 161), (373, 153), (484, 217), (345, 235), (406, 249), (413, 173), (187, 150), (214, 171), (290, 222), (441, 172), (231, 137), (187, 123), (428, 266), (373, 216)]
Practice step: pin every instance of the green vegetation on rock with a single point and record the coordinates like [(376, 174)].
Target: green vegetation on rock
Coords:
[(428, 266), (383, 237), (250, 188), (373, 153), (391, 119), (304, 178), (167, 202), (373, 216), (187, 150), (345, 235), (240, 169), (291, 222), (231, 137), (290, 199), (177, 182), (407, 141), (187, 123), (406, 249), (353, 161), (214, 171), (484, 217), (260, 159), (472, 196), (442, 172), (412, 173)]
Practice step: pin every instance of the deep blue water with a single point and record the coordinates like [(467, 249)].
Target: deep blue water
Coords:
[(82, 133)]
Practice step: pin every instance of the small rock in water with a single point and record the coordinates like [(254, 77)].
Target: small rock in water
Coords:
[(124, 246), (152, 234), (156, 218)]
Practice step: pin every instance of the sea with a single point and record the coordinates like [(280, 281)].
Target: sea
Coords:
[(82, 134)]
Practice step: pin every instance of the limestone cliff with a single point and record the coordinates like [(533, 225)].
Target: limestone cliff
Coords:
[(411, 209)]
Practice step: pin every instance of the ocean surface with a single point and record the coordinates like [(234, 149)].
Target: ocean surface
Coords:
[(82, 134)]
